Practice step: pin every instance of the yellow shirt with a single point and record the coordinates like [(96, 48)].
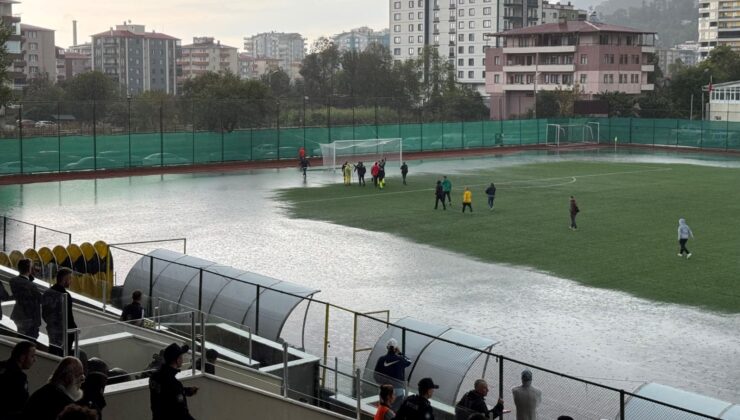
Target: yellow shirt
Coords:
[(467, 197)]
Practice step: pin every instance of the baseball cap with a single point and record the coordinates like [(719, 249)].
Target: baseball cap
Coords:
[(173, 351), (426, 384), (392, 343)]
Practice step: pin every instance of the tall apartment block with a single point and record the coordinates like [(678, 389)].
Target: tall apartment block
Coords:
[(40, 52), (360, 38), (289, 48), (719, 24), (137, 60), (595, 57), (206, 55), (556, 12), (16, 69), (457, 29)]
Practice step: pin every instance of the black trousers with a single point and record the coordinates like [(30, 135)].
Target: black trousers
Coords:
[(360, 179), (468, 205), (573, 220), (404, 178), (438, 200), (447, 196), (682, 242)]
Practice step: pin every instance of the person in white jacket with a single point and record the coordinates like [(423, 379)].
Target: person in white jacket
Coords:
[(684, 233), (526, 398)]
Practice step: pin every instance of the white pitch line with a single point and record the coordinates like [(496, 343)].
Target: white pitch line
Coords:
[(571, 179)]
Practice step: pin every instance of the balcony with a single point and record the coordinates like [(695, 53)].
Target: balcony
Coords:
[(452, 18), (647, 49), (513, 2), (542, 68), (452, 43), (452, 31), (453, 6), (540, 49), (648, 68), (529, 87), (436, 20), (648, 86)]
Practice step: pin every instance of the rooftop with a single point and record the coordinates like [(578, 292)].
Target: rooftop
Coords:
[(128, 34), (27, 27), (577, 26)]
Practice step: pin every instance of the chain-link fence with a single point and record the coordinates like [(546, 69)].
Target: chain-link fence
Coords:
[(142, 133)]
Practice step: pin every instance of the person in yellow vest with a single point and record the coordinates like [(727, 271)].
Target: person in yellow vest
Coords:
[(347, 168), (467, 200)]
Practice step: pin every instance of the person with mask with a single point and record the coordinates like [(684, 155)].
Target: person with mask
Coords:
[(64, 388)]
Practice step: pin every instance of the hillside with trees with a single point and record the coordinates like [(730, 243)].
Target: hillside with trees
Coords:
[(675, 21)]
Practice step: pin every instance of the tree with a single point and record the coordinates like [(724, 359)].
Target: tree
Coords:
[(41, 99), (620, 104), (278, 82), (92, 86), (320, 68), (6, 94)]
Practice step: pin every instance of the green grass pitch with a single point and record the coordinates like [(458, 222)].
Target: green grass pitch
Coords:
[(627, 226)]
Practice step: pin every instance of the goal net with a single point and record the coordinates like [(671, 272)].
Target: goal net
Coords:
[(370, 150), (559, 134)]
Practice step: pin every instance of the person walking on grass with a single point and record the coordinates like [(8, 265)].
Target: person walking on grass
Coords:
[(404, 172), (573, 213), (491, 193), (439, 196), (467, 200), (684, 233), (347, 168), (360, 169), (374, 172), (447, 188), (381, 174), (304, 167)]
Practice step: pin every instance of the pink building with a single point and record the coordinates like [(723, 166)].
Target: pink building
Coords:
[(589, 56)]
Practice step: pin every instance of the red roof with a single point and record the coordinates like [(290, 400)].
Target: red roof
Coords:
[(128, 34), (572, 26)]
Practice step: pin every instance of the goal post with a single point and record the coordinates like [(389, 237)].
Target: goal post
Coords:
[(558, 134), (368, 150)]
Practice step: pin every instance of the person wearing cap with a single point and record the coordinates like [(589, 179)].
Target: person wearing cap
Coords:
[(475, 402), (526, 398), (391, 369), (418, 407), (168, 397)]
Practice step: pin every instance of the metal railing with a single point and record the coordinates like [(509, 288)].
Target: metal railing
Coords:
[(17, 234)]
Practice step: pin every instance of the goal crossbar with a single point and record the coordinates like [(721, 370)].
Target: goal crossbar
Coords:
[(361, 149), (588, 132)]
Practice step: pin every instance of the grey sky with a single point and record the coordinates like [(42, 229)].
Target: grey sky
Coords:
[(226, 20)]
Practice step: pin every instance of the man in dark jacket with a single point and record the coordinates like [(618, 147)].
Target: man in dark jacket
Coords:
[(13, 381), (391, 369), (418, 407), (133, 312), (64, 388), (404, 172), (167, 395), (491, 193), (52, 313), (475, 402), (92, 392), (360, 169), (27, 309)]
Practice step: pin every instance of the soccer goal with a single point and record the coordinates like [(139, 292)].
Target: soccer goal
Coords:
[(560, 134), (369, 150)]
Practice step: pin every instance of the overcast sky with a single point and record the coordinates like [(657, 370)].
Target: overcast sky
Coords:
[(226, 20)]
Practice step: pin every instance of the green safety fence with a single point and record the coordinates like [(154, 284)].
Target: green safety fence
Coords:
[(161, 146)]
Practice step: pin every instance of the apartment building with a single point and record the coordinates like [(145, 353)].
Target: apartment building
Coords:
[(719, 24), (592, 57), (556, 12), (687, 53), (254, 68), (40, 51), (206, 55), (76, 63), (288, 48), (82, 49), (16, 68), (61, 73), (137, 60), (359, 39), (457, 28)]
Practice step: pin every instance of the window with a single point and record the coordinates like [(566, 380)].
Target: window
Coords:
[(461, 37), (420, 3), (584, 60), (496, 78), (460, 74), (471, 75), (452, 25), (411, 51), (471, 50), (396, 16), (471, 12), (583, 79), (411, 4), (411, 15), (460, 62), (471, 24), (461, 12), (460, 50), (397, 5), (471, 37), (436, 39), (420, 27), (420, 39), (486, 23), (460, 25), (635, 59), (483, 61), (411, 39), (486, 10), (471, 61), (33, 58), (608, 59), (604, 39), (396, 39), (396, 51), (411, 27), (483, 74), (396, 28), (460, 1), (497, 60), (420, 15)]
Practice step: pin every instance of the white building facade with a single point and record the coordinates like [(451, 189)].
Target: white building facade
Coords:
[(289, 48), (719, 24)]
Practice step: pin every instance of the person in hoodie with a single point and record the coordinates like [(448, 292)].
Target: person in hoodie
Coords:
[(684, 233), (374, 172), (391, 369), (491, 193), (360, 169)]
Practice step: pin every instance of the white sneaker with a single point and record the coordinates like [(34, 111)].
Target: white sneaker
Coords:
[(680, 255), (688, 256)]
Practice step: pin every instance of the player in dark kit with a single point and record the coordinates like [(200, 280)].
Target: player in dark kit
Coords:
[(404, 172), (360, 169)]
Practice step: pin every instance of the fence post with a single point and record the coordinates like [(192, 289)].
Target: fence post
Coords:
[(285, 370), (326, 343), (653, 132), (277, 125), (161, 133), (156, 314), (200, 290), (501, 377), (5, 231), (377, 126), (20, 135), (192, 123), (257, 313), (77, 343), (249, 335), (621, 404), (328, 116), (202, 341), (95, 135), (151, 281), (34, 236), (59, 138), (65, 338), (630, 130), (128, 119), (192, 345), (104, 298), (358, 393)]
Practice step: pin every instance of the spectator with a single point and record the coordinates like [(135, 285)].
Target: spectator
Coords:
[(418, 407), (63, 389), (27, 309), (117, 376), (13, 381), (526, 398), (391, 369), (168, 396), (92, 392), (76, 412), (52, 312), (475, 402), (387, 397), (211, 357), (133, 312), (97, 365)]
